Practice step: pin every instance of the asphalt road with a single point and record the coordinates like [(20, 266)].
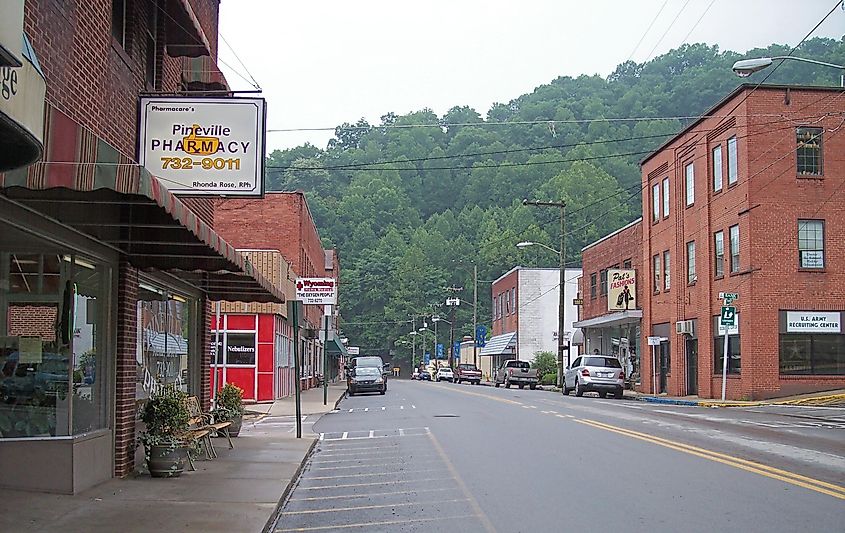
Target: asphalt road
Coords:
[(440, 457)]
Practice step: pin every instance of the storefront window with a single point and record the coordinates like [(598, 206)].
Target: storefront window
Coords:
[(812, 343), (734, 356), (164, 332), (52, 380)]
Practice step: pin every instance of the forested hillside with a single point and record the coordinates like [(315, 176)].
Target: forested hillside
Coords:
[(407, 199)]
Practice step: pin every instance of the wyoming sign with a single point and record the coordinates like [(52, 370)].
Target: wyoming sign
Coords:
[(316, 291)]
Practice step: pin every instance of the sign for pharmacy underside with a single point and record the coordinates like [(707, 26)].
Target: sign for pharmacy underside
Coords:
[(204, 146), (316, 291), (813, 322)]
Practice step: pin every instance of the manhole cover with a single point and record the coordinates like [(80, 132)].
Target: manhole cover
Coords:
[(447, 416)]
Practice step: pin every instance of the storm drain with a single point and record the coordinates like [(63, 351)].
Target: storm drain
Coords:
[(447, 416)]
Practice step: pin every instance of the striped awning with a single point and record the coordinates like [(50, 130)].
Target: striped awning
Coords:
[(86, 184), (504, 344)]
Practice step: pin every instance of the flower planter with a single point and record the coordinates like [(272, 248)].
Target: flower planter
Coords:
[(235, 428), (166, 460)]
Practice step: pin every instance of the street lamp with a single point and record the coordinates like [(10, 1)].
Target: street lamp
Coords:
[(746, 67), (561, 314)]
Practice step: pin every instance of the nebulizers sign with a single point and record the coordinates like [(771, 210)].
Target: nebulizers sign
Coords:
[(204, 146), (621, 289), (316, 291)]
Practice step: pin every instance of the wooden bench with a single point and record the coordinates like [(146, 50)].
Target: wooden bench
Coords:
[(204, 426)]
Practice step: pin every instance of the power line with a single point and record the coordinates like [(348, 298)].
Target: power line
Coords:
[(667, 30), (234, 53), (697, 22), (659, 11)]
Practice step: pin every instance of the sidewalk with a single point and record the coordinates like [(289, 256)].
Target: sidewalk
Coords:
[(828, 398), (238, 491)]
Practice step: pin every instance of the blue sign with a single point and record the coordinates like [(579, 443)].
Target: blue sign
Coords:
[(427, 358), (481, 335), (439, 351), (456, 350)]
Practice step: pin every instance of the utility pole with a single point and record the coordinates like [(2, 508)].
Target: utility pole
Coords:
[(474, 311), (413, 343), (561, 343)]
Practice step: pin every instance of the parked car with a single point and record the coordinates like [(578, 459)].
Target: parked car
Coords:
[(445, 373), (515, 372), (371, 361), (595, 373), (467, 372), (425, 375), (365, 379)]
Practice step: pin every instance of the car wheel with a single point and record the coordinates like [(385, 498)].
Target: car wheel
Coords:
[(382, 391), (507, 384), (533, 386), (620, 393), (565, 390), (579, 391), (521, 386), (497, 384), (351, 393), (602, 395)]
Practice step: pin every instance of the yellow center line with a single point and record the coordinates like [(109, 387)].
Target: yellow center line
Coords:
[(816, 485), (488, 525), (487, 396), (381, 506)]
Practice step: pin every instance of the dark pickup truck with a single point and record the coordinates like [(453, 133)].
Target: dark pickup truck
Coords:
[(467, 372)]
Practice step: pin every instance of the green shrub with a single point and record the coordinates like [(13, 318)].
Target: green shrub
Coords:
[(166, 417), (229, 402), (549, 379), (545, 363)]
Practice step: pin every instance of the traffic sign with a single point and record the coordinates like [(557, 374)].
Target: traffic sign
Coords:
[(577, 301), (439, 350), (654, 341), (456, 349), (728, 317), (427, 358), (728, 297), (481, 335), (453, 301)]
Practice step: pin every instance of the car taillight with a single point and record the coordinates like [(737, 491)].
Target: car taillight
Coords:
[(622, 375), (510, 371), (585, 372)]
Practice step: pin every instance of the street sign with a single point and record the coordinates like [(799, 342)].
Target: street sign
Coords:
[(577, 301), (456, 349), (481, 335), (427, 358), (728, 317), (439, 350), (354, 350), (730, 295), (453, 301), (654, 341)]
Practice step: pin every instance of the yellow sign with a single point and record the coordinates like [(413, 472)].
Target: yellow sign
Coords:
[(200, 145), (621, 289)]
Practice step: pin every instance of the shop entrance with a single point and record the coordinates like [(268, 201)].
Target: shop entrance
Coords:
[(664, 365), (692, 366)]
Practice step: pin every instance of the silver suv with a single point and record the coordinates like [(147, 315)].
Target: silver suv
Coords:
[(594, 373)]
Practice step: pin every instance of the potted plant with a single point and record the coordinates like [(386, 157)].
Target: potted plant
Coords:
[(230, 407), (166, 417)]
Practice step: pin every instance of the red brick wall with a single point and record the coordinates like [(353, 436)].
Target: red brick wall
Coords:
[(33, 320), (279, 221), (614, 250), (509, 321), (766, 202), (125, 379)]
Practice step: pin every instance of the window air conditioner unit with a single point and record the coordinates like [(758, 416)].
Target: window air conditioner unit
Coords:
[(684, 327)]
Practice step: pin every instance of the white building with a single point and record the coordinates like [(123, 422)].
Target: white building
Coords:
[(525, 314)]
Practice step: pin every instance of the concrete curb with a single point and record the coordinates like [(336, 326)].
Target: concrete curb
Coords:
[(816, 400), (669, 401), (274, 516)]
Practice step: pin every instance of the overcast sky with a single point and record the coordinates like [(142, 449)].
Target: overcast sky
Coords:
[(321, 63)]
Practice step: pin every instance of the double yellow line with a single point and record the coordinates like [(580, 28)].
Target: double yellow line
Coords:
[(837, 491)]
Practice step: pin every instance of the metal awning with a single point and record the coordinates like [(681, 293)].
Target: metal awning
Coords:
[(504, 344), (127, 208), (185, 36), (612, 319), (22, 112), (577, 337), (335, 347)]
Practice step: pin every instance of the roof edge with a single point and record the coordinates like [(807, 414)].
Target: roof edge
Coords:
[(609, 235)]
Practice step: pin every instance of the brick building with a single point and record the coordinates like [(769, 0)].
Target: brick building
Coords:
[(282, 221), (525, 315), (126, 268), (748, 199), (604, 327)]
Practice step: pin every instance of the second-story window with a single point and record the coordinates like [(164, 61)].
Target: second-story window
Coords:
[(655, 267), (603, 281), (719, 253), (151, 34), (691, 276), (809, 151), (811, 243), (666, 270), (734, 237), (627, 263), (665, 197), (593, 284), (655, 202), (689, 181), (118, 21)]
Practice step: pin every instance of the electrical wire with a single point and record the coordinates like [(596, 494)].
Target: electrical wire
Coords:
[(234, 53), (659, 11), (674, 20)]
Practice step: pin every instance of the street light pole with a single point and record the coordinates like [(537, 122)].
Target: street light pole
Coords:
[(474, 311), (561, 315)]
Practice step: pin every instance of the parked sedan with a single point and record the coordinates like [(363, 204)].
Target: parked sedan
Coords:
[(445, 373), (595, 373), (365, 379), (424, 376)]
